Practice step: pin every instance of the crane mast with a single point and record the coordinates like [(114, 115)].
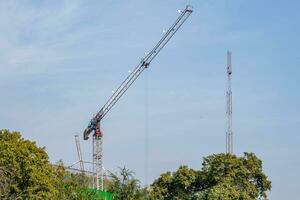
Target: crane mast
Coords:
[(94, 125)]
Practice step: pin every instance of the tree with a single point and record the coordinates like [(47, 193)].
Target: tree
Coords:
[(5, 182), (222, 177), (27, 168), (26, 173), (71, 186), (177, 185), (124, 186), (227, 176)]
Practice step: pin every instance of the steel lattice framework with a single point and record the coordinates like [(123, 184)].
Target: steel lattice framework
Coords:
[(229, 142)]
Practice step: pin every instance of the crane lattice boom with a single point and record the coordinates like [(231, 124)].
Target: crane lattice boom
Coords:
[(94, 125), (145, 62)]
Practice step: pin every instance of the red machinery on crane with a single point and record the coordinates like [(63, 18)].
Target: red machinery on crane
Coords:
[(94, 125)]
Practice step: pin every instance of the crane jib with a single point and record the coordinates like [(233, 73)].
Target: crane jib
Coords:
[(145, 62)]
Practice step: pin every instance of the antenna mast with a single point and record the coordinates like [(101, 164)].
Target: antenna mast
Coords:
[(229, 142)]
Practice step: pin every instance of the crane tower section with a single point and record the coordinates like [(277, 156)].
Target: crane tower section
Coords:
[(94, 125), (229, 138)]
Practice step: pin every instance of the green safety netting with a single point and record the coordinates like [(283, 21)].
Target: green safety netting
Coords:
[(98, 194)]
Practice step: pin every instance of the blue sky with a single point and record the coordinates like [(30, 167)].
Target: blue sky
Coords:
[(60, 60)]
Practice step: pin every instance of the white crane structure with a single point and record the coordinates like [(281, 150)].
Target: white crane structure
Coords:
[(94, 125)]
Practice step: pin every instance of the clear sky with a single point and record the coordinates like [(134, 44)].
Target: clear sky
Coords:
[(60, 60)]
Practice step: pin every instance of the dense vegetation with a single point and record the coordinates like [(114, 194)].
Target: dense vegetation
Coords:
[(222, 176), (26, 173)]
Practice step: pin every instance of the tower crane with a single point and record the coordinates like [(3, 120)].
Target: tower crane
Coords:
[(95, 122)]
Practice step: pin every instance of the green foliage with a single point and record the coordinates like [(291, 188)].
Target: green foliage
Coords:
[(179, 184), (71, 186), (230, 177), (28, 170), (222, 177), (26, 173), (5, 182), (124, 186)]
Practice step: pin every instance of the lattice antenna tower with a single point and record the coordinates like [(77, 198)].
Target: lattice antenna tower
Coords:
[(229, 139)]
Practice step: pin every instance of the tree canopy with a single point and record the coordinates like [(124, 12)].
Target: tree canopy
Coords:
[(222, 177), (26, 173), (26, 167), (124, 186)]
